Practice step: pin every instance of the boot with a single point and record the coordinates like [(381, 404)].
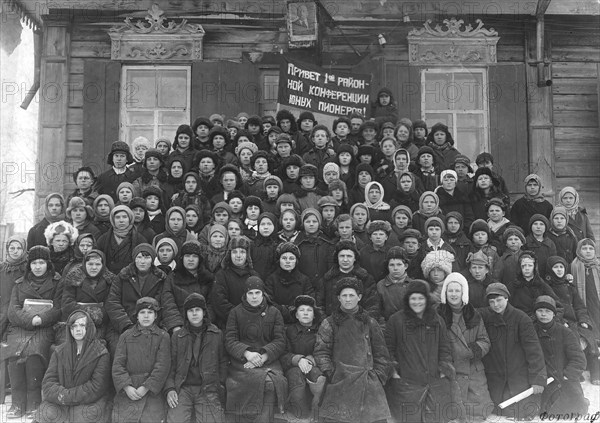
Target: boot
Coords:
[(316, 389)]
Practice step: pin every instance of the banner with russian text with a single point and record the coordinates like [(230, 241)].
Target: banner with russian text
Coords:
[(313, 88)]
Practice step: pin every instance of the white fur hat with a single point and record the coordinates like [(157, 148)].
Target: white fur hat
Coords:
[(61, 227), (440, 258), (459, 279)]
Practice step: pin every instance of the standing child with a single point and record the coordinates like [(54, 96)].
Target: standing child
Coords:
[(462, 167), (183, 148), (579, 221), (119, 157), (341, 128), (337, 189), (272, 189), (561, 234), (360, 217), (426, 168), (329, 210), (124, 193), (166, 253), (441, 141), (479, 233), (201, 129), (103, 204), (262, 166), (456, 237), (429, 206), (321, 152), (263, 248), (308, 195), (420, 133), (531, 203), (378, 209), (538, 241), (384, 105), (372, 255)]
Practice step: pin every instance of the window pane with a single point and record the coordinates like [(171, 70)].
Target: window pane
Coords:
[(140, 89), (173, 117), (270, 87), (470, 134), (436, 91), (433, 118), (167, 131), (140, 118), (136, 131), (468, 91), (172, 89)]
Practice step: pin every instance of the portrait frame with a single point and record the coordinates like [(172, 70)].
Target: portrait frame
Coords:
[(302, 23)]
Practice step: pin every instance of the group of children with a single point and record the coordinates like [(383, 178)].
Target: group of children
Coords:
[(203, 270)]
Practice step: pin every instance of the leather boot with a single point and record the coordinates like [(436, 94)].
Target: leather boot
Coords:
[(316, 388)]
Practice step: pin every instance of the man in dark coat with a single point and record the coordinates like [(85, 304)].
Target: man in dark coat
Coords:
[(511, 331), (565, 361)]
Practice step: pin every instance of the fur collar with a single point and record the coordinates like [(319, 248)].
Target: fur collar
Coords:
[(470, 316), (339, 316)]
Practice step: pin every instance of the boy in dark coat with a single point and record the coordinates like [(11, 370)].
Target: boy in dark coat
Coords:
[(511, 330), (565, 361), (119, 157), (198, 367)]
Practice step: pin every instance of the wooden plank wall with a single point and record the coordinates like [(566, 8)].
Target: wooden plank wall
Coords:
[(575, 89)]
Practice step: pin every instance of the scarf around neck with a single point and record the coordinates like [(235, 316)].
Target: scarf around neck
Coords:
[(574, 209)]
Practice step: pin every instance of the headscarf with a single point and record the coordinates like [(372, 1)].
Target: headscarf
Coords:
[(12, 264), (214, 256), (574, 209), (396, 164), (558, 210), (379, 205), (124, 232), (168, 229), (581, 267), (539, 197), (76, 251), (111, 205), (91, 254), (411, 176), (436, 210), (47, 215), (90, 349)]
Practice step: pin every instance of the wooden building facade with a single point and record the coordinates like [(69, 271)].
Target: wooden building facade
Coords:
[(528, 93)]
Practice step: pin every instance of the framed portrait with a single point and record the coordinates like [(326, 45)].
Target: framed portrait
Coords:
[(302, 23)]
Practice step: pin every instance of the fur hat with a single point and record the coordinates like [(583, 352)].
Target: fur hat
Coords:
[(119, 147), (253, 200), (484, 171), (143, 248), (201, 121), (152, 190), (307, 300), (308, 170), (253, 120), (268, 119), (239, 242), (484, 157), (233, 124), (440, 127), (495, 201), (218, 130), (396, 253), (84, 169), (417, 286), (281, 138), (513, 230), (203, 154), (378, 225), (273, 180), (153, 152), (410, 233), (191, 247), (341, 119), (292, 160), (441, 259), (462, 159), (348, 282), (246, 144), (306, 115), (146, 302), (311, 211), (497, 288), (477, 226), (184, 129), (195, 300), (365, 150), (287, 247), (254, 282), (545, 301), (76, 202), (368, 124), (259, 154), (215, 117), (61, 227), (539, 217), (288, 198), (38, 252), (459, 279), (425, 150), (527, 254), (345, 148), (420, 124)]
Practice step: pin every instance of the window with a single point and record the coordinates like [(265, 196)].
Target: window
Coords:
[(155, 101), (457, 98), (270, 86)]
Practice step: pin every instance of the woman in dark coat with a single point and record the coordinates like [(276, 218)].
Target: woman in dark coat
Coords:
[(456, 237), (287, 282), (139, 279), (11, 269), (264, 245), (175, 227), (300, 367), (255, 340), (565, 362), (54, 211), (485, 187), (421, 351), (230, 279), (351, 352), (452, 199), (77, 381), (118, 243), (470, 343), (31, 333), (141, 367), (190, 276)]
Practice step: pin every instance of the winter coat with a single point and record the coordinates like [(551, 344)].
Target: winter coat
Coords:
[(523, 209), (418, 221), (461, 246), (125, 291), (263, 256), (523, 294), (229, 288), (119, 255), (35, 236), (212, 362), (458, 202), (89, 227), (580, 225), (23, 339), (373, 261), (178, 285), (495, 238), (510, 267), (256, 329), (565, 362), (477, 297), (543, 250), (444, 156), (109, 181), (143, 357), (566, 246), (316, 255), (465, 329), (350, 351), (391, 297), (515, 360), (283, 287), (480, 199), (73, 386), (421, 351), (328, 301), (8, 275)]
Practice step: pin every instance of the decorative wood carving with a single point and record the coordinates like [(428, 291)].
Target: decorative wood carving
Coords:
[(156, 39), (452, 45)]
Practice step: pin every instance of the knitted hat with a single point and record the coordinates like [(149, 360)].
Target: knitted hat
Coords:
[(191, 247), (168, 241), (513, 230), (194, 300), (327, 201), (254, 282), (239, 242), (349, 282), (462, 159), (441, 259), (217, 228), (484, 157), (539, 217), (345, 245), (107, 198), (310, 211), (448, 172), (331, 167), (497, 288), (38, 252), (410, 233), (495, 201), (557, 210), (308, 170), (554, 260), (119, 147), (378, 225), (420, 124), (545, 301), (404, 210), (125, 185), (365, 167), (287, 247), (456, 215), (286, 198), (143, 248), (477, 226), (153, 152), (396, 253), (146, 302), (459, 279), (424, 150), (215, 117), (270, 216), (58, 228), (77, 202), (479, 258), (222, 205), (246, 145), (160, 140), (435, 221), (273, 180)]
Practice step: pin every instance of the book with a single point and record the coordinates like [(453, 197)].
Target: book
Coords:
[(36, 306)]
